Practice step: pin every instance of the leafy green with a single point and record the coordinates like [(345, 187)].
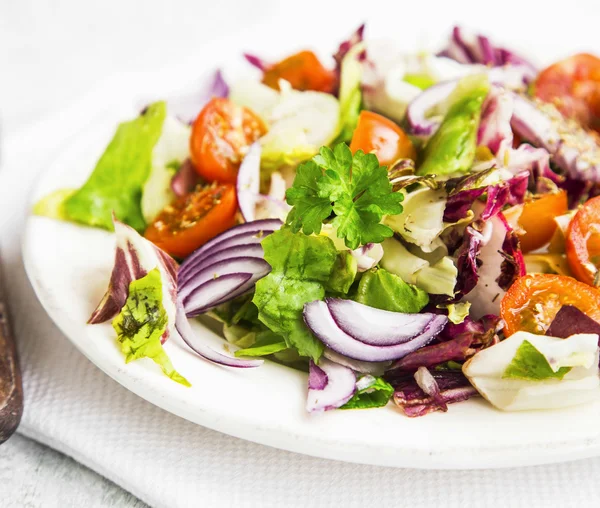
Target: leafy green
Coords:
[(452, 148), (457, 312), (116, 182), (528, 363), (301, 269), (422, 81), (142, 322), (357, 190), (267, 343), (53, 205), (350, 92), (343, 273), (377, 394), (383, 290)]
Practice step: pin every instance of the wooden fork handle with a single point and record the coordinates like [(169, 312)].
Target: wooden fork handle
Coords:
[(11, 388)]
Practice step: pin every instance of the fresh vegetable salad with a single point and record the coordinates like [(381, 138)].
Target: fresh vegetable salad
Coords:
[(416, 228)]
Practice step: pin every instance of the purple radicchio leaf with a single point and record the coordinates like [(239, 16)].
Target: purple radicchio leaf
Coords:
[(489, 260), (495, 131), (134, 258), (187, 107), (356, 38), (413, 401), (467, 48), (257, 62), (510, 192), (569, 320)]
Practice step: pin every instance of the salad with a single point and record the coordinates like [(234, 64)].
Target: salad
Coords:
[(415, 228)]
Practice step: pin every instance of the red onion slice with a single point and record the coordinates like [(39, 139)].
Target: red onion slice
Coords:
[(185, 180), (256, 228), (429, 385), (211, 293), (329, 386), (194, 342), (373, 368), (249, 250), (320, 321), (376, 327), (248, 182), (241, 240), (219, 269)]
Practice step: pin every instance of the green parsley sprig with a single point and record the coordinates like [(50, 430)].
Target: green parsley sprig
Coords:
[(353, 193)]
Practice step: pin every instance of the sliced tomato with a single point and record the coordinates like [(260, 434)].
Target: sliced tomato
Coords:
[(192, 220), (573, 85), (220, 138), (537, 219), (533, 301), (377, 134), (303, 71), (583, 242)]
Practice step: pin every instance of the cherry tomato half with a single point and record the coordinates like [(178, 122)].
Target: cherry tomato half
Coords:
[(583, 242), (538, 222), (220, 138), (377, 134), (573, 86), (193, 219), (533, 301), (303, 71)]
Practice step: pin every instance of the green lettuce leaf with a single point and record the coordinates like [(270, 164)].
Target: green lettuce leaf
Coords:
[(141, 323), (383, 290), (357, 190), (53, 205), (350, 92), (267, 343), (378, 394), (116, 182), (343, 273), (528, 363), (301, 268)]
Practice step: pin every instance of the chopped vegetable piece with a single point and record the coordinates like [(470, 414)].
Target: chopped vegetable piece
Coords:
[(537, 220), (303, 71), (192, 220), (582, 244)]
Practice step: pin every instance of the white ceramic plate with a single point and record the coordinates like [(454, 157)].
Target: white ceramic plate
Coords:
[(69, 267)]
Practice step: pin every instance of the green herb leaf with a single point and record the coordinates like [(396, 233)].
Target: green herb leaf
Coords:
[(357, 190), (383, 290), (301, 268), (141, 323), (343, 273), (528, 363), (377, 394), (116, 182)]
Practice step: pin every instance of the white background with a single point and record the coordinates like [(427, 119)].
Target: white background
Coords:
[(53, 52)]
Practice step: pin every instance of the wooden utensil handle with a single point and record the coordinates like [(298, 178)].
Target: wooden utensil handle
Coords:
[(11, 388)]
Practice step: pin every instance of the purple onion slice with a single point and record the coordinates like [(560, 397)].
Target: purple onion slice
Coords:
[(211, 293), (416, 112), (248, 182), (330, 386), (254, 266), (320, 321), (195, 343), (376, 327)]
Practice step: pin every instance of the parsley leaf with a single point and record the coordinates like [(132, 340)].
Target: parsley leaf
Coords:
[(528, 363), (355, 188)]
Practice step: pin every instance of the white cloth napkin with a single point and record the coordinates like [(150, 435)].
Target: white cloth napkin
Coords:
[(72, 406)]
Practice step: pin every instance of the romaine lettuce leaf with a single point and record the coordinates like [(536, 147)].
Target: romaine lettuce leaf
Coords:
[(142, 322), (376, 394), (116, 183), (350, 92), (383, 290), (529, 363)]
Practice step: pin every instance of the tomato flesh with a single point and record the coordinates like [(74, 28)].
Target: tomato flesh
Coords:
[(573, 86), (537, 219), (377, 134), (583, 242), (303, 71), (220, 138), (533, 301), (192, 220)]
